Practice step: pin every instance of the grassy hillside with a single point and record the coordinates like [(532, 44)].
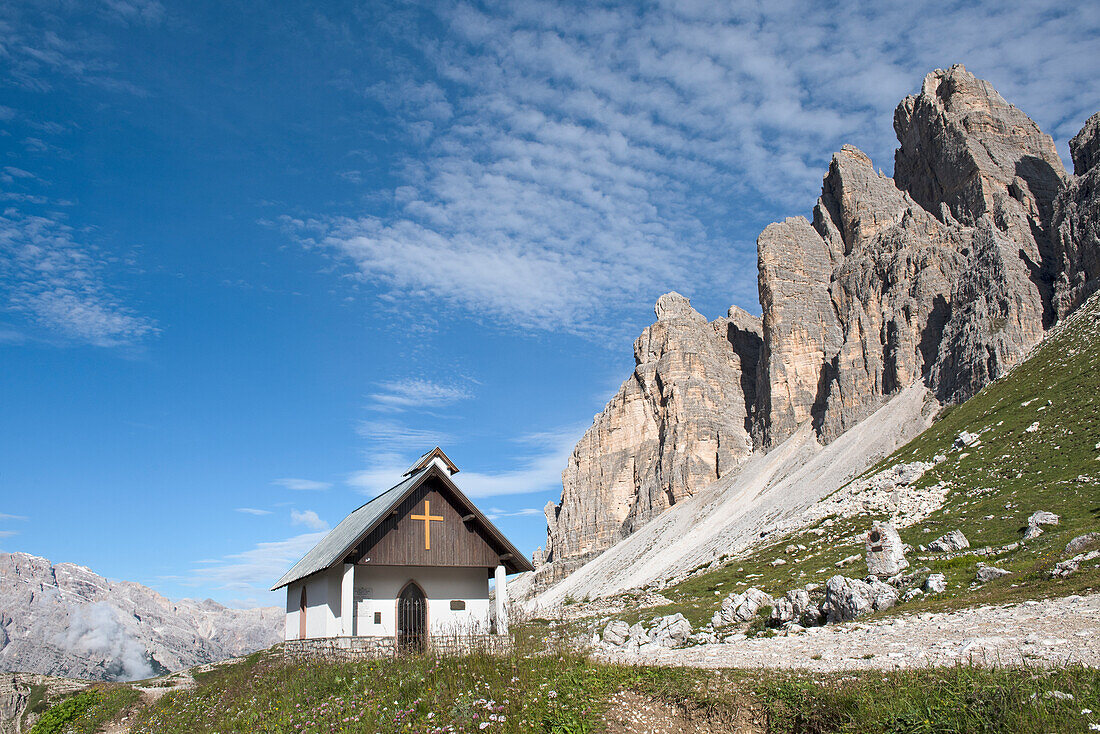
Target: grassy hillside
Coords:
[(556, 692), (992, 490)]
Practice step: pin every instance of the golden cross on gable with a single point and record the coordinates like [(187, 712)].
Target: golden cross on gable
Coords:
[(427, 517)]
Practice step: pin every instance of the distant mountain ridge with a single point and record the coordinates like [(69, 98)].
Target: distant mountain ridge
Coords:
[(944, 276), (65, 620)]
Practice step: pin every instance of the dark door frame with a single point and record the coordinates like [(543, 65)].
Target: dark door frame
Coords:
[(416, 639)]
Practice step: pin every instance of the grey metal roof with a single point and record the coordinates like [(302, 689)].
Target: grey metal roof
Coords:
[(342, 537)]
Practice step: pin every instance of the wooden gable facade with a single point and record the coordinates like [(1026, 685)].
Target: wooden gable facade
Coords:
[(449, 536), (435, 525)]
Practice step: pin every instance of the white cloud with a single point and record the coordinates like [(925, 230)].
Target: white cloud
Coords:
[(8, 533), (495, 513), (309, 518), (253, 511), (4, 516), (259, 567), (302, 485), (535, 471), (416, 393), (58, 283), (571, 159), (392, 435), (146, 12)]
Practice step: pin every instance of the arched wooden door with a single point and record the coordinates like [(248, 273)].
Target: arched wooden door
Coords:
[(302, 615), (412, 619)]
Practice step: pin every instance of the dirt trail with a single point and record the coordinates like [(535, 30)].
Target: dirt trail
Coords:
[(1048, 632)]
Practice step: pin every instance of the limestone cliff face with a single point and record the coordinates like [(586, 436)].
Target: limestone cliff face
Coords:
[(1076, 223), (947, 274), (942, 275), (677, 424)]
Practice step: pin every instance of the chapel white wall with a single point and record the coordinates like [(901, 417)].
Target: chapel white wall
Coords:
[(322, 605), (441, 586)]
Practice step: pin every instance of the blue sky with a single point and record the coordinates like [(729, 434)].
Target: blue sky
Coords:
[(255, 257)]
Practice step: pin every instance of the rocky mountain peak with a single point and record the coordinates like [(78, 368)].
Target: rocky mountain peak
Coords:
[(1076, 224), (64, 619), (967, 151), (856, 201), (674, 306), (946, 275), (680, 421), (1084, 147)]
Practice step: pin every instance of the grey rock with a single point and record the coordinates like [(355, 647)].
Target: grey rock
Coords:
[(846, 599), (741, 607), (1081, 542), (792, 607), (953, 541), (986, 573), (912, 594), (935, 584), (966, 150), (884, 550), (678, 423), (1032, 532), (1072, 565), (1043, 517), (966, 440), (670, 631), (638, 633), (947, 274), (1084, 147), (1076, 224), (65, 620), (616, 633), (942, 251)]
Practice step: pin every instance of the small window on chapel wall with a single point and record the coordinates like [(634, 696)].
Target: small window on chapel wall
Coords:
[(457, 605), (378, 617)]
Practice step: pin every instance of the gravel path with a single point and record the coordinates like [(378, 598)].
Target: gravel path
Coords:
[(1049, 632)]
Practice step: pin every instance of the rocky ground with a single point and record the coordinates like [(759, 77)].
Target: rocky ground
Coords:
[(1048, 632)]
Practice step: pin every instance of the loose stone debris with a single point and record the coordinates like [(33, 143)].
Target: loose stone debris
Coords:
[(1047, 632)]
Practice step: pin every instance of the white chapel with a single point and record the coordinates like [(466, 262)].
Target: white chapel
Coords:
[(413, 563)]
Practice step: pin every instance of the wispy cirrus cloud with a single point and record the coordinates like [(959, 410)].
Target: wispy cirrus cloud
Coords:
[(412, 393), (252, 511), (59, 283), (395, 435), (536, 468), (302, 485), (569, 159), (496, 513), (45, 43), (257, 568)]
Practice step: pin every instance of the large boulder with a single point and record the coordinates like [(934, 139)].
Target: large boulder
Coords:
[(884, 550), (616, 633), (846, 599), (670, 631), (953, 541), (985, 573), (741, 607), (1081, 542), (794, 606), (935, 584)]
